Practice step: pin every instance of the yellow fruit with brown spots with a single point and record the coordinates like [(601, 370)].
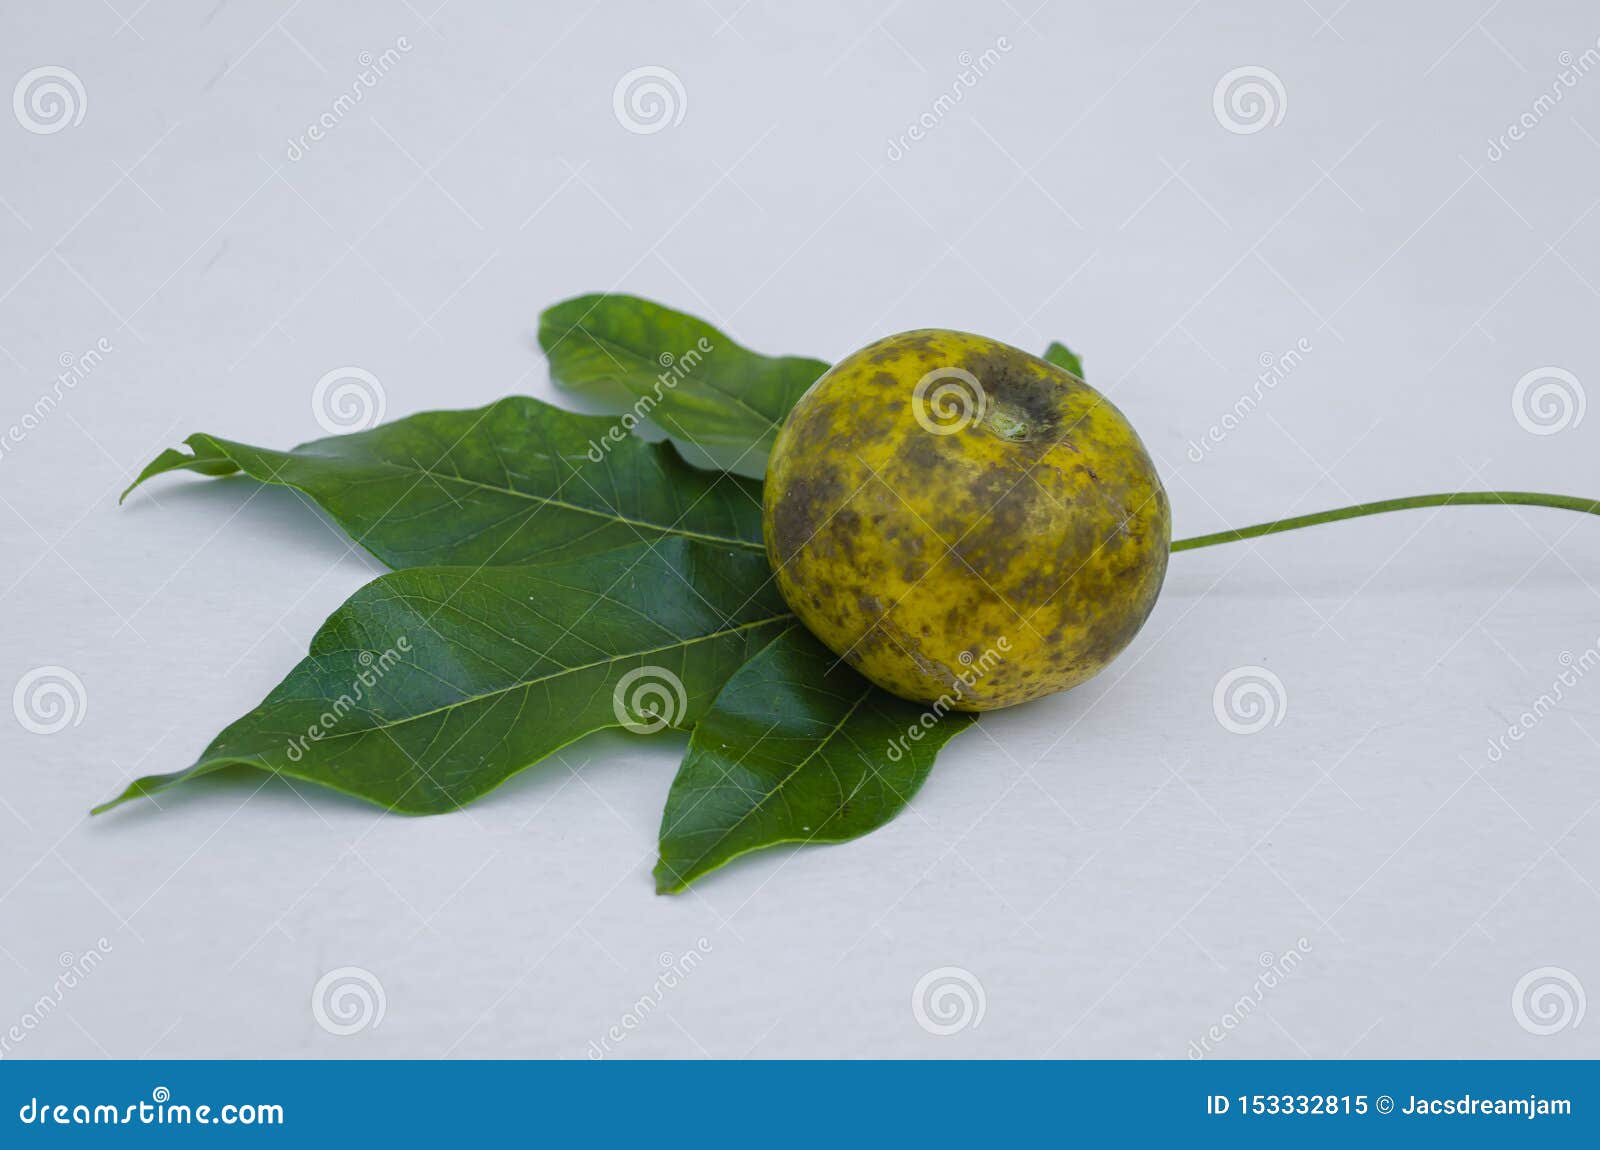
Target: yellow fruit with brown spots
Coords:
[(961, 520)]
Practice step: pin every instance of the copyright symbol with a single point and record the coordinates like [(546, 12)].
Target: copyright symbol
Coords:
[(1385, 1104)]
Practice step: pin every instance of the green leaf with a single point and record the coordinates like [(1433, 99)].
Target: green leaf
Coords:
[(431, 687), (513, 482), (798, 747), (719, 402), (1062, 356)]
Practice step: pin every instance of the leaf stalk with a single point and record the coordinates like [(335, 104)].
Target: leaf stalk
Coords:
[(1382, 506)]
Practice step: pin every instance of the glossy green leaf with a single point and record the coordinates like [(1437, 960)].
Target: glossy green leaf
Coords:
[(514, 482), (430, 687), (1062, 356), (718, 401), (798, 748)]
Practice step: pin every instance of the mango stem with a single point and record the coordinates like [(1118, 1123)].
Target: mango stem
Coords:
[(1526, 498)]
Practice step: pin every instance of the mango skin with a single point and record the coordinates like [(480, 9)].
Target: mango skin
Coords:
[(980, 564)]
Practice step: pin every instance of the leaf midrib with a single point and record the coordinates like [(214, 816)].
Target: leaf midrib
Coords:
[(546, 500), (526, 683), (822, 743)]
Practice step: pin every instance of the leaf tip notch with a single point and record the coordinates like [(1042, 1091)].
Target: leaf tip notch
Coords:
[(204, 456)]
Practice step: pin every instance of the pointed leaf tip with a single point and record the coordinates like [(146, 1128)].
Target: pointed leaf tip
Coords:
[(432, 686), (796, 748), (517, 481)]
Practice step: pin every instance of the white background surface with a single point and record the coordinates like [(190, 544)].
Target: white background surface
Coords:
[(1107, 864)]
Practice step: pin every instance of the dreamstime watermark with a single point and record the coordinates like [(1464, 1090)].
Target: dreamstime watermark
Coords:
[(1547, 400), (75, 968), (1574, 668), (948, 1000), (675, 968), (973, 668), (1572, 70), (48, 700), (74, 370), (48, 99), (649, 699), (948, 400), (159, 1110), (674, 370), (373, 69), (1249, 699), (1248, 99), (1275, 968), (973, 69), (1274, 370), (348, 399), (648, 99), (1548, 1000), (348, 1000), (374, 668)]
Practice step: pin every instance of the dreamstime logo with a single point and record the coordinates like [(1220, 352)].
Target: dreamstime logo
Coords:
[(49, 699), (973, 668), (373, 69), (649, 99), (1548, 400), (947, 1000), (75, 968), (1573, 669), (948, 400), (74, 370), (347, 1000), (973, 69), (1249, 99), (1572, 70), (348, 399), (1275, 969), (1274, 370), (373, 669), (48, 99), (1249, 699), (1548, 1000), (649, 699), (159, 1111), (674, 368), (675, 969)]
